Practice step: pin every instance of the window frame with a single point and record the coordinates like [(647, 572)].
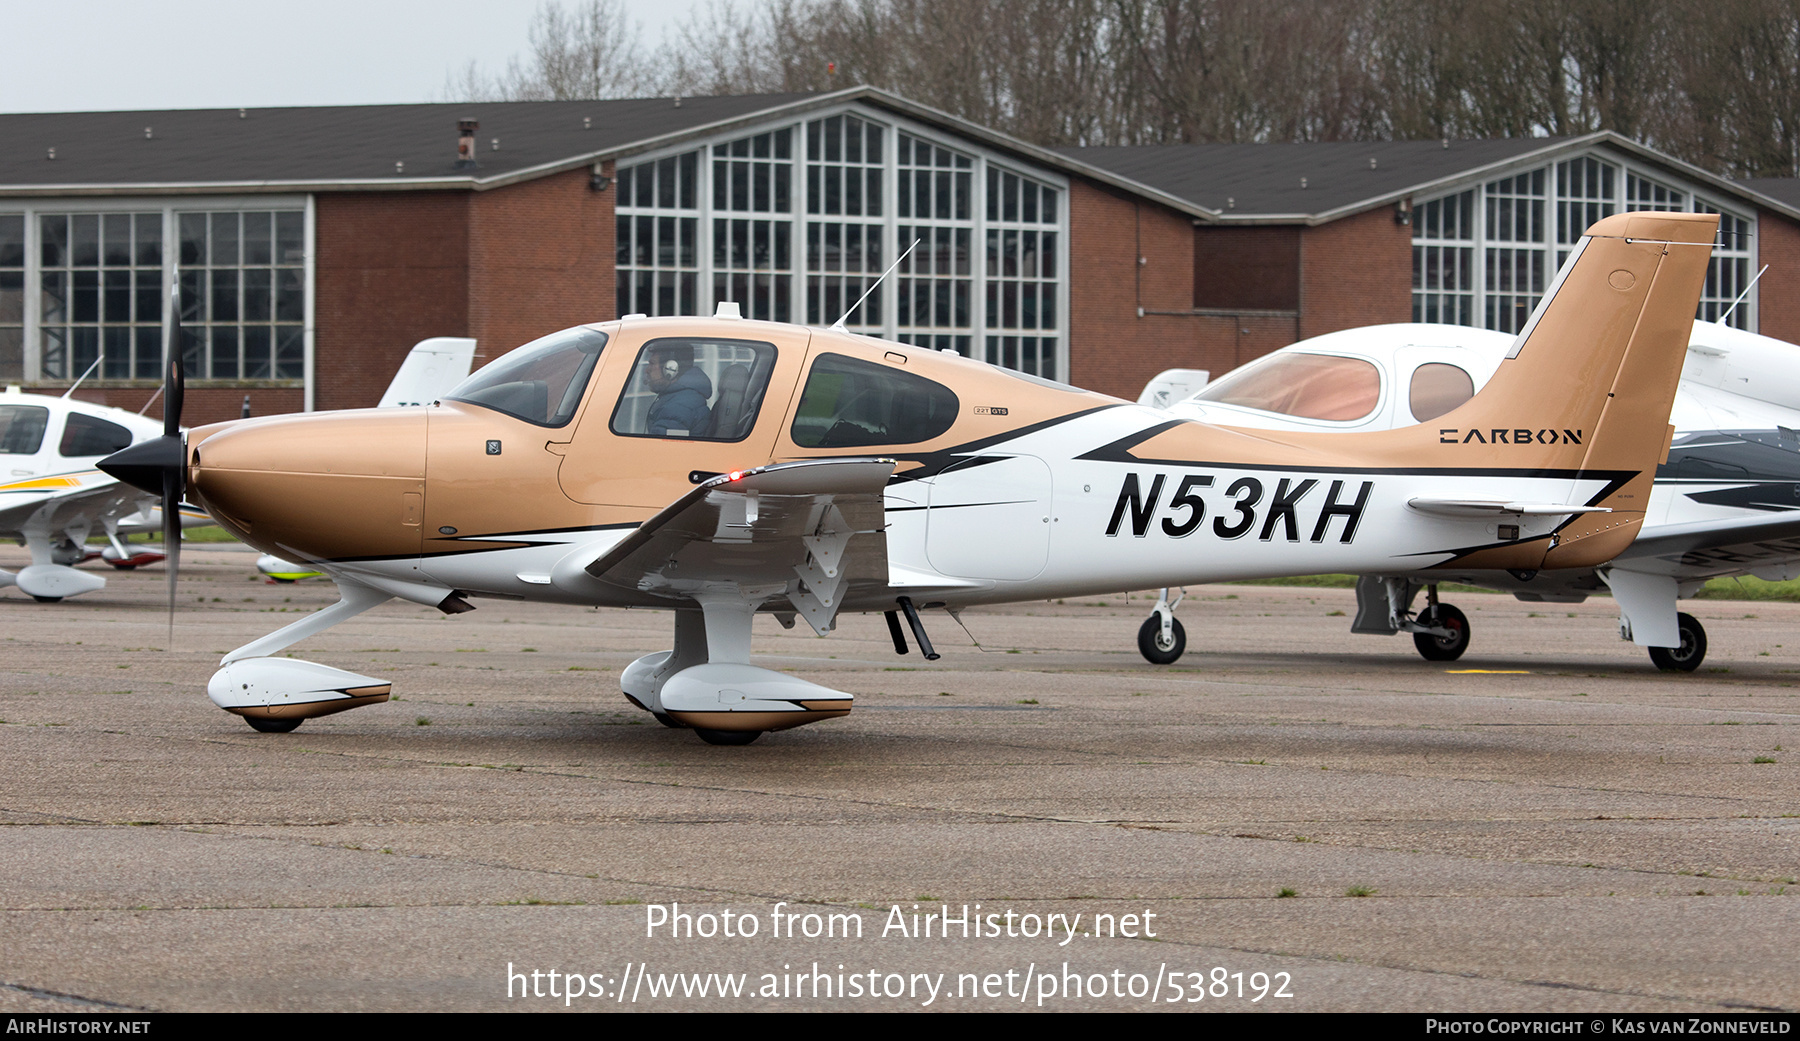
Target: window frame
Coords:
[(169, 206), (629, 387), (970, 339), (1557, 240)]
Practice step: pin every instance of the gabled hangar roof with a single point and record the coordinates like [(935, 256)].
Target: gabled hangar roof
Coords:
[(344, 146), (1781, 189), (356, 147), (1317, 182)]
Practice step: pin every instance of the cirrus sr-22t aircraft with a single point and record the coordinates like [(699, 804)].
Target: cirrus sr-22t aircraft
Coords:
[(718, 468)]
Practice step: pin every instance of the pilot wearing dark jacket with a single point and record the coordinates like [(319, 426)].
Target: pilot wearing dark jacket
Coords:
[(682, 391)]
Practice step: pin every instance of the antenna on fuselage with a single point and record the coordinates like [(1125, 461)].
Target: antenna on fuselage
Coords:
[(85, 375), (1741, 296), (838, 326)]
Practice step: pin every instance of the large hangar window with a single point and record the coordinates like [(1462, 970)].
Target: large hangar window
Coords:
[(1484, 256), (101, 277), (85, 290), (933, 297), (243, 294), (795, 222), (12, 296)]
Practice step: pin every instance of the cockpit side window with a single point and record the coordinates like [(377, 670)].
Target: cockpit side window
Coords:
[(541, 382), (87, 435), (1310, 386), (696, 388), (848, 402), (22, 429), (1437, 388)]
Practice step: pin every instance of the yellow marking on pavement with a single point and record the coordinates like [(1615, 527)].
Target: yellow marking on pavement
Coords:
[(1489, 672)]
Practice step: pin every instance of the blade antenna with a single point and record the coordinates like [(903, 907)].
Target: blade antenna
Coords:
[(97, 361), (1741, 296), (838, 326)]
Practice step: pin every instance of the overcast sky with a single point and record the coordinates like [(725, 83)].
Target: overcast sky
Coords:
[(98, 55)]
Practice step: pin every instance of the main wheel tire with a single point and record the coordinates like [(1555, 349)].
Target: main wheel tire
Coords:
[(1442, 648), (727, 737), (1151, 644), (1688, 656), (265, 725), (46, 599)]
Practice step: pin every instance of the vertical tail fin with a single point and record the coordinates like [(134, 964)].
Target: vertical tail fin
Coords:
[(1590, 381)]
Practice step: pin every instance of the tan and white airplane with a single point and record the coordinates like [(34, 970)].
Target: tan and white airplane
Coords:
[(718, 468)]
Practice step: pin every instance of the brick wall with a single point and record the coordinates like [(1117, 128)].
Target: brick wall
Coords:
[(392, 268), (1777, 302), (1111, 349), (1355, 271), (1255, 268), (199, 404), (540, 259)]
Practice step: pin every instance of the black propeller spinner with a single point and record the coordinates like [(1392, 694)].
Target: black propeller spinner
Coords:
[(160, 466)]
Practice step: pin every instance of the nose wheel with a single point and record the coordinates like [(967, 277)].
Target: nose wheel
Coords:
[(1161, 639), (1157, 647)]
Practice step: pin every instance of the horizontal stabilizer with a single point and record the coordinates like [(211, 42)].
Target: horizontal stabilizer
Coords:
[(1495, 507)]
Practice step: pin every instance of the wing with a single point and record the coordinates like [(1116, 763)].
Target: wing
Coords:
[(56, 501), (809, 533), (1764, 546)]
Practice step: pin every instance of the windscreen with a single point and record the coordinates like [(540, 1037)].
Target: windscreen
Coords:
[(541, 382), (22, 428), (1310, 386)]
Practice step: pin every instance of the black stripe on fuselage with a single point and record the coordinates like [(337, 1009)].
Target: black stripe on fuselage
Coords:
[(507, 540)]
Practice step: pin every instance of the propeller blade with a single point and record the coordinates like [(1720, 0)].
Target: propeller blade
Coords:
[(174, 380), (171, 493), (172, 451)]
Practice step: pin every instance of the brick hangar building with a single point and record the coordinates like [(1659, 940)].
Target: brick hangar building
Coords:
[(314, 246)]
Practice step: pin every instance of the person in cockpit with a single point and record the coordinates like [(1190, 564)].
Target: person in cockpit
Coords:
[(682, 391)]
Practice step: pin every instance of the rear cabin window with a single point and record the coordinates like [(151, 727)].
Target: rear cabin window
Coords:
[(541, 382), (1310, 386), (85, 435), (22, 428), (689, 387), (1437, 388), (848, 402)]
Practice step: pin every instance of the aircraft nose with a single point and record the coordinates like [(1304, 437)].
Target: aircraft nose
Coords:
[(143, 465), (316, 486)]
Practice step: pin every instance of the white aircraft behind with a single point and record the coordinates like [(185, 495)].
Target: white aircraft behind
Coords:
[(52, 497), (1726, 501)]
